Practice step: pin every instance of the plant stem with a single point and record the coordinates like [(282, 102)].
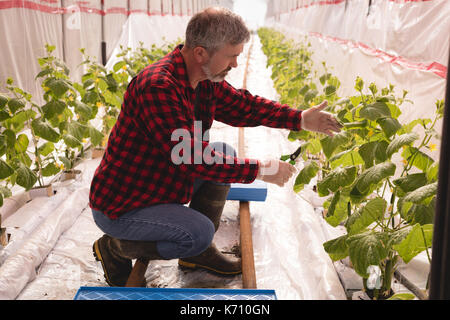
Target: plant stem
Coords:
[(410, 286)]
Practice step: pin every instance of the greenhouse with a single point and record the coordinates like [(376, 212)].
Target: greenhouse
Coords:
[(224, 149)]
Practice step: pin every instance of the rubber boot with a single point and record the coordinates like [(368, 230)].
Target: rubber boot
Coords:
[(115, 256), (210, 200)]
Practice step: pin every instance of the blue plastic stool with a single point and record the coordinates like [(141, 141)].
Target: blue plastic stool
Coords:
[(124, 293)]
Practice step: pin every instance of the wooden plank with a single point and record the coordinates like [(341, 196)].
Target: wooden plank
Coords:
[(137, 275), (245, 226), (248, 262)]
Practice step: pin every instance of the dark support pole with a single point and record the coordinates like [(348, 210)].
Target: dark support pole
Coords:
[(440, 263), (63, 29), (103, 33)]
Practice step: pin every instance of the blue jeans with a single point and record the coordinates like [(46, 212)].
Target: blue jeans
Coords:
[(179, 231)]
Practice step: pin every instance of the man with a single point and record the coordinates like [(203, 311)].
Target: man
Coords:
[(139, 191)]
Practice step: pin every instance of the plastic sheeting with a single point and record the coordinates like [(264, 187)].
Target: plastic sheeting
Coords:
[(27, 26), (404, 43), (287, 233)]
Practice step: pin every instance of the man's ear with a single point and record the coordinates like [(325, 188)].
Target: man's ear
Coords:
[(201, 56)]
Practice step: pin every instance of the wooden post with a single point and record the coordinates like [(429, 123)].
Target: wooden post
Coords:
[(137, 275), (248, 261)]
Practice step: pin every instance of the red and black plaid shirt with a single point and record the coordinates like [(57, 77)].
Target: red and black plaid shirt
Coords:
[(137, 169)]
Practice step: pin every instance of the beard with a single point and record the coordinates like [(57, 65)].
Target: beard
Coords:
[(219, 77)]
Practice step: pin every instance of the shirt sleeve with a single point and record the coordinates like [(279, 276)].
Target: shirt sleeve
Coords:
[(168, 121), (239, 108)]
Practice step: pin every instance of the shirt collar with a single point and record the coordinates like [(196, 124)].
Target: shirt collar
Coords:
[(180, 71)]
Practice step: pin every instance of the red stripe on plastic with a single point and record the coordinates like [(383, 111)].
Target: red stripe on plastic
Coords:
[(434, 67), (29, 5), (80, 6), (334, 2)]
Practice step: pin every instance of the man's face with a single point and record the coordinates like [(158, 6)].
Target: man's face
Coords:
[(218, 65)]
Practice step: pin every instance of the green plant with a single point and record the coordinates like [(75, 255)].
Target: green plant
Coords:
[(363, 174), (15, 161), (376, 174), (299, 85), (38, 141), (67, 115)]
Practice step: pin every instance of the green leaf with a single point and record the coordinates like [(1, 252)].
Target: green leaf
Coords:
[(329, 90), (419, 159), (337, 211), (415, 242), (367, 152), (52, 108), (345, 158), (340, 177), (15, 104), (58, 86), (324, 78), (356, 124), (365, 216), (91, 97), (44, 130), (402, 296), (421, 194), (83, 109), (395, 110), (400, 141), (367, 249), (303, 90), (375, 111), (292, 93), (95, 135), (308, 172), (66, 162), (311, 94), (119, 65), (331, 144), (46, 148), (432, 172), (43, 73), (411, 182), (337, 248), (10, 138), (421, 213), (3, 101), (5, 170), (359, 84), (373, 176), (76, 129), (22, 143), (389, 125), (5, 191), (298, 135), (71, 141), (25, 177), (4, 115), (50, 170)]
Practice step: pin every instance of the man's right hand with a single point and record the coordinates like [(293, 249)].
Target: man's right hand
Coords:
[(275, 171)]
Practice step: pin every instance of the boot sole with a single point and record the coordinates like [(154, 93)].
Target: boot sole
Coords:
[(191, 265), (98, 257)]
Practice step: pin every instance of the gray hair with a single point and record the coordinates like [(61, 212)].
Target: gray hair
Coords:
[(214, 27)]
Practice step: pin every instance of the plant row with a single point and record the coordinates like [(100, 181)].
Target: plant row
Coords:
[(376, 174), (39, 140)]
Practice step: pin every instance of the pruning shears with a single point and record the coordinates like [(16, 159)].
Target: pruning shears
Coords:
[(293, 156)]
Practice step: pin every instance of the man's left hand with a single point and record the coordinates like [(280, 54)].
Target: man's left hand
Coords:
[(314, 119)]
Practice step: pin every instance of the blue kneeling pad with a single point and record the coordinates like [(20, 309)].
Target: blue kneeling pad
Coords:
[(255, 191)]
